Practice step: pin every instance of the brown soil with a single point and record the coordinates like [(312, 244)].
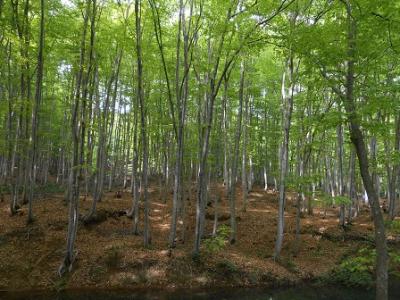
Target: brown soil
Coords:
[(109, 256)]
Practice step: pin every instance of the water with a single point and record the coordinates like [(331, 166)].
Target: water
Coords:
[(301, 293)]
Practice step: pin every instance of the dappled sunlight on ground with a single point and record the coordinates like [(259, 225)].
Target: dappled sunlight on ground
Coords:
[(109, 255), (259, 210), (164, 227), (258, 195)]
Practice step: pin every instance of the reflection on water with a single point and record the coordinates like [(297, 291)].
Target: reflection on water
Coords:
[(303, 293)]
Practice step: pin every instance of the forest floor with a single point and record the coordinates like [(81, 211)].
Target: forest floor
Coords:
[(110, 256)]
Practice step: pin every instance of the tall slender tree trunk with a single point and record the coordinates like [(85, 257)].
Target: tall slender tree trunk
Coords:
[(214, 84), (341, 175), (140, 94), (76, 167), (235, 158), (353, 207), (177, 195), (35, 113), (102, 143), (287, 115), (357, 138), (393, 204), (225, 137), (244, 153)]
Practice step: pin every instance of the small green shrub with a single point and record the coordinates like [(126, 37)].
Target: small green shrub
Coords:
[(4, 189), (393, 226), (328, 201), (359, 270), (394, 263), (218, 242), (50, 188), (339, 200), (324, 199)]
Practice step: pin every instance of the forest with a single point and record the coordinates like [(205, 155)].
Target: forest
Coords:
[(179, 145)]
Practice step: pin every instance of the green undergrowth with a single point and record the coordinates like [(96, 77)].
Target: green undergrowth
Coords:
[(357, 269), (40, 190), (393, 226), (218, 242)]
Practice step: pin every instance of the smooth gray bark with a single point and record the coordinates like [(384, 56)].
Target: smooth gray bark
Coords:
[(287, 102), (143, 125)]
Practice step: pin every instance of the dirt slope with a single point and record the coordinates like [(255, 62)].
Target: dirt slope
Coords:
[(110, 256)]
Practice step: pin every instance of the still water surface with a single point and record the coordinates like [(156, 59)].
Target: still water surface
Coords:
[(302, 293)]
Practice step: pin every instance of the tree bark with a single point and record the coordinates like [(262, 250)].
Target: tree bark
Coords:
[(35, 113), (393, 205), (357, 138), (235, 158), (352, 186), (340, 173), (76, 166), (244, 152), (287, 114), (140, 95)]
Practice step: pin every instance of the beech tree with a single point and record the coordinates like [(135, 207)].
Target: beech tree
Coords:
[(192, 97)]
